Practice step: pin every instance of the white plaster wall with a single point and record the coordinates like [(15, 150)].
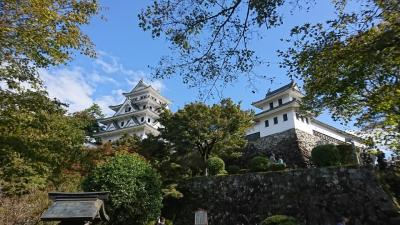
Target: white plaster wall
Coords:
[(118, 136), (328, 132), (285, 98), (273, 128), (302, 125)]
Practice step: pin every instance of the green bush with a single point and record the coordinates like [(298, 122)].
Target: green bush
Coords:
[(259, 164), (325, 155), (277, 167), (347, 154), (233, 169), (279, 220), (135, 189), (215, 166)]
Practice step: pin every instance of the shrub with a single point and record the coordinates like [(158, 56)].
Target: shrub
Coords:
[(346, 154), (135, 189), (259, 164), (325, 155), (233, 169), (277, 167), (215, 166), (279, 220)]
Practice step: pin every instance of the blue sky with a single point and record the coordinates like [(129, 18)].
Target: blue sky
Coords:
[(125, 52)]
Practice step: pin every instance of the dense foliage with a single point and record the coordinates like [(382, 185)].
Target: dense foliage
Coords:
[(325, 155), (259, 164), (347, 154), (203, 130), (215, 166), (37, 142), (279, 220), (37, 34), (134, 186), (358, 52)]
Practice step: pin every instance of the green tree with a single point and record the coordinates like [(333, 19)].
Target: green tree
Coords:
[(134, 186), (36, 133), (206, 130), (358, 52), (38, 141), (89, 119), (41, 33)]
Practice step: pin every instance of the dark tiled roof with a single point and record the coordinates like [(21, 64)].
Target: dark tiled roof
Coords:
[(277, 91), (281, 89)]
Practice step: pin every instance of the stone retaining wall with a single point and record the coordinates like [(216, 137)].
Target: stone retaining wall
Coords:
[(313, 196), (293, 146)]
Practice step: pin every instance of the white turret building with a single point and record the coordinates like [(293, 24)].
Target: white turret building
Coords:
[(137, 115), (280, 112), (281, 128)]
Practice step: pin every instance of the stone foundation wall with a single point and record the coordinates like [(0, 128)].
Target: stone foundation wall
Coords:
[(313, 196), (293, 146)]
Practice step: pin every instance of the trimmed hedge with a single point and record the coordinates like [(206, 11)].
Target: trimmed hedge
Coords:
[(259, 164), (233, 169), (277, 167), (280, 220), (215, 166), (325, 155), (347, 154)]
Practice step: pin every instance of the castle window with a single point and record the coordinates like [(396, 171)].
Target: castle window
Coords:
[(148, 120), (280, 101), (271, 105), (275, 120), (151, 107), (285, 117), (302, 119), (142, 119), (128, 109), (307, 120), (297, 116), (144, 106), (122, 123), (266, 123)]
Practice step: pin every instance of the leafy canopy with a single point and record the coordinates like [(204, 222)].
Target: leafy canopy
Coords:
[(206, 130), (37, 142), (134, 186), (211, 39), (351, 66), (39, 33)]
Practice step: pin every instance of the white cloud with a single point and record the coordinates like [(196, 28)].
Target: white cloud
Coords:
[(107, 62), (110, 64), (69, 86), (95, 77)]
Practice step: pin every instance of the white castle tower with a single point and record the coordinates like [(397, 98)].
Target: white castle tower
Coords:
[(280, 113), (137, 115)]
